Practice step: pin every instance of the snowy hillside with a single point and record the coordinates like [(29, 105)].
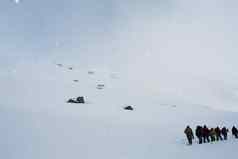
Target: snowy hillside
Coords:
[(173, 61), (36, 122)]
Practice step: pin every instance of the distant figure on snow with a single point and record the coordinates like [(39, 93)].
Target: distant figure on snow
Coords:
[(205, 133), (198, 133), (234, 131), (189, 133), (213, 134), (218, 133), (224, 132)]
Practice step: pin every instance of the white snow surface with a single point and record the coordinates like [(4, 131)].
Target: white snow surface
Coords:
[(37, 123)]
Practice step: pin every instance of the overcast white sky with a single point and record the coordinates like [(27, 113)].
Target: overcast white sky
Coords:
[(184, 35)]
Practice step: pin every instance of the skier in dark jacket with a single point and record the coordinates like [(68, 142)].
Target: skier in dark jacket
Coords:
[(224, 132), (198, 133), (218, 133), (206, 134), (234, 131), (189, 133)]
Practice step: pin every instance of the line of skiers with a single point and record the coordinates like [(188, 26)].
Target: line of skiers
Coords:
[(205, 134)]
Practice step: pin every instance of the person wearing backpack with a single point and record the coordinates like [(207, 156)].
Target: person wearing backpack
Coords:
[(213, 134), (224, 132), (234, 131), (189, 134), (218, 133), (205, 132), (198, 133)]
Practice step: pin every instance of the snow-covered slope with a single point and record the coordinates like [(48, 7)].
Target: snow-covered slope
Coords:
[(36, 122)]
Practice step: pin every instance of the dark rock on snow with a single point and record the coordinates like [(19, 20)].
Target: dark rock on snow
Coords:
[(128, 108), (77, 100), (60, 65), (100, 86), (90, 72)]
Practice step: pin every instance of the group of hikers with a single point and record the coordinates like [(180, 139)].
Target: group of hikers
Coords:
[(204, 134)]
